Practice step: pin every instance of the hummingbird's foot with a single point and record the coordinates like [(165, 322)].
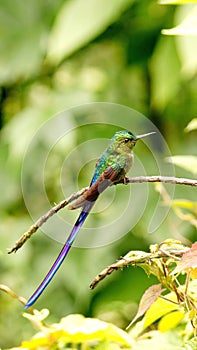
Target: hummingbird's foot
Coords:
[(125, 180)]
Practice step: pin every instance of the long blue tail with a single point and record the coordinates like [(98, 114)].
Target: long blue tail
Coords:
[(61, 255)]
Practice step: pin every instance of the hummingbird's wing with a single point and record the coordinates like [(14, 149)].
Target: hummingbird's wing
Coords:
[(104, 180)]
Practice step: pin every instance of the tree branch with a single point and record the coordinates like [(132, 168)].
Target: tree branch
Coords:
[(169, 249), (65, 202), (44, 218), (165, 179)]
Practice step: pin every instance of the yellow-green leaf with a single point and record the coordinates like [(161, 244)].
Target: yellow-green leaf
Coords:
[(188, 24), (37, 317), (175, 2), (170, 320), (184, 203), (186, 162), (79, 329), (35, 343), (192, 125), (160, 308)]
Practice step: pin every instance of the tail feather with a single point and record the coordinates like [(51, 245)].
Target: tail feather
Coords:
[(86, 201), (61, 255)]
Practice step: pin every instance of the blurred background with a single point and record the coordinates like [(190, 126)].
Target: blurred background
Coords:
[(58, 55)]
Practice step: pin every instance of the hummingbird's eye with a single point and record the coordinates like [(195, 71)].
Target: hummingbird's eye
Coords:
[(126, 140)]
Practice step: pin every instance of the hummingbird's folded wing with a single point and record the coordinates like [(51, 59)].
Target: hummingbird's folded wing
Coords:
[(106, 179)]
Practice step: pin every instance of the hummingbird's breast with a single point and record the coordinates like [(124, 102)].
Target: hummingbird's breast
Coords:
[(123, 162), (129, 162)]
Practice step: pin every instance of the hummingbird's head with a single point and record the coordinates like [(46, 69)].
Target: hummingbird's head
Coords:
[(125, 140)]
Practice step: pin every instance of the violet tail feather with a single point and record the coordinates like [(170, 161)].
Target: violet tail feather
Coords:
[(62, 255)]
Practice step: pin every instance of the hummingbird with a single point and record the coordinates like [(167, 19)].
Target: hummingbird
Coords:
[(111, 168)]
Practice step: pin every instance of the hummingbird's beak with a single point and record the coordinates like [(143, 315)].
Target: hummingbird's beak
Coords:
[(138, 137)]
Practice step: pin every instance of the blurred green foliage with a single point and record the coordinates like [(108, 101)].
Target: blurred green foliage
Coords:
[(55, 55)]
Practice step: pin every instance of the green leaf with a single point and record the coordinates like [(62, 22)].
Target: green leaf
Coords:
[(21, 39), (192, 125), (24, 124), (186, 43), (165, 73), (80, 21), (186, 162)]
